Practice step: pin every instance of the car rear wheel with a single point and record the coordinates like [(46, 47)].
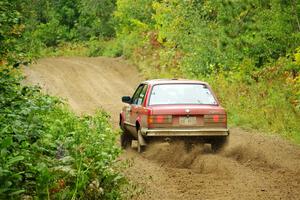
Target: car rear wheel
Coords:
[(217, 143), (125, 140)]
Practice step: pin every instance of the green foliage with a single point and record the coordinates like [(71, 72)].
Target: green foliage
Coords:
[(220, 34), (95, 19), (47, 23), (265, 100), (65, 49), (133, 21), (131, 14), (11, 30), (51, 33), (46, 151), (49, 152)]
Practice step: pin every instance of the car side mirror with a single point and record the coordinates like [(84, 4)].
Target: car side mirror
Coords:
[(126, 99)]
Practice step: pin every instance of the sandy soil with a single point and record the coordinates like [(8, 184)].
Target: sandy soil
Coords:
[(252, 166)]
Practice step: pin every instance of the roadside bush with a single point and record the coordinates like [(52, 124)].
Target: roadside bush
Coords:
[(49, 152), (65, 49), (95, 47), (51, 33), (113, 48), (264, 100)]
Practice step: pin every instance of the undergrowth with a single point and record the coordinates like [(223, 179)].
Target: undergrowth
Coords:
[(268, 103), (47, 152), (92, 48)]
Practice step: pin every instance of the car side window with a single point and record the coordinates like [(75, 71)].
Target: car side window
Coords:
[(137, 94), (142, 95)]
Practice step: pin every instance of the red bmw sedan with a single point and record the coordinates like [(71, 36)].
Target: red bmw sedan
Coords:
[(173, 109)]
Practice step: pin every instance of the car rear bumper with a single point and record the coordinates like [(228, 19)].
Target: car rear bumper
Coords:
[(185, 132)]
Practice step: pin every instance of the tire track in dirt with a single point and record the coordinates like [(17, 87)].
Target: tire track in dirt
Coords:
[(252, 166)]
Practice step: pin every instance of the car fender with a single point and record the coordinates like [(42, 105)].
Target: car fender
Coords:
[(138, 121), (122, 118)]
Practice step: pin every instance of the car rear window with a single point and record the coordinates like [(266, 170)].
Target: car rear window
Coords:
[(168, 94)]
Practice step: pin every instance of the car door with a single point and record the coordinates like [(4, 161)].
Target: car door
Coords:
[(130, 109), (136, 106)]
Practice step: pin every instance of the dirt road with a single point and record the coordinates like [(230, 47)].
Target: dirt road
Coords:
[(252, 166)]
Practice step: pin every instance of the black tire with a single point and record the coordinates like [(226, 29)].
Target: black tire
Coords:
[(218, 142), (125, 140)]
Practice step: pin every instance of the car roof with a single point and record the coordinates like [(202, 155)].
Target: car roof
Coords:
[(167, 81)]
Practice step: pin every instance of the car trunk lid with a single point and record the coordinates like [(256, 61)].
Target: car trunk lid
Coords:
[(191, 116)]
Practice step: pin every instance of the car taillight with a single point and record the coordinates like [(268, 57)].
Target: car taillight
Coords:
[(215, 118), (160, 119)]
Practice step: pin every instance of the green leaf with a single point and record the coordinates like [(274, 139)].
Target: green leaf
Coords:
[(15, 159), (17, 192), (8, 141)]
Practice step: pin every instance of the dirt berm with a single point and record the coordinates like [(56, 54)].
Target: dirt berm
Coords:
[(252, 166)]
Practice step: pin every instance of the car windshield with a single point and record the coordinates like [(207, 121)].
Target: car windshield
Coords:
[(168, 94)]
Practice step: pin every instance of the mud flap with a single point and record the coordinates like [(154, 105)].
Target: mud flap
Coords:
[(141, 140)]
